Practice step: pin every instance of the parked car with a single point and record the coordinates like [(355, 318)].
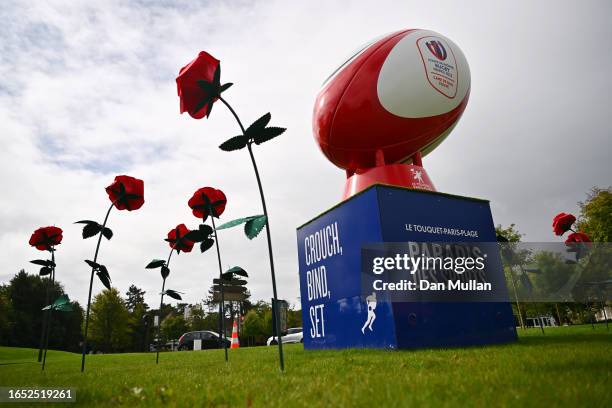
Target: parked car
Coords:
[(294, 335), (172, 345), (210, 340)]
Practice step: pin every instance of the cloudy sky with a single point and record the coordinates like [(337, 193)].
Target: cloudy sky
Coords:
[(87, 92)]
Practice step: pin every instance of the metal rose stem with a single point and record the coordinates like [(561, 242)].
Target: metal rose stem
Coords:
[(48, 328), (45, 319), (90, 287), (222, 303), (518, 305), (161, 303), (263, 203)]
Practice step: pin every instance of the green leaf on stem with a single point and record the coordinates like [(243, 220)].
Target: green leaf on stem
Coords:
[(104, 276), (165, 271), (267, 134), (206, 244), (45, 270), (101, 271), (64, 308), (206, 229), (200, 234), (258, 125), (90, 229), (236, 222), (93, 264), (107, 232), (234, 143), (253, 227), (43, 262), (61, 304), (173, 294), (156, 263), (195, 236)]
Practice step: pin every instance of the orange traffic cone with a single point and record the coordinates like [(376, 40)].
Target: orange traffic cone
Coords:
[(235, 341)]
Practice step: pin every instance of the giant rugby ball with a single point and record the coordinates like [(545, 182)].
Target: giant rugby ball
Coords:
[(398, 95)]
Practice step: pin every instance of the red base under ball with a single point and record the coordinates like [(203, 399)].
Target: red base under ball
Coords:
[(403, 175)]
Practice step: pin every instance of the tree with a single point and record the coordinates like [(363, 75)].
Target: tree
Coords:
[(110, 322), (65, 329), (595, 215), (257, 325), (6, 315), (23, 299), (553, 272), (294, 318), (196, 318), (511, 256), (511, 233), (211, 322), (594, 220), (253, 324), (27, 297), (138, 327), (173, 327), (135, 297), (138, 321)]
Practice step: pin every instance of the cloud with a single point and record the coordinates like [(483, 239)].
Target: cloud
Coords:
[(87, 92)]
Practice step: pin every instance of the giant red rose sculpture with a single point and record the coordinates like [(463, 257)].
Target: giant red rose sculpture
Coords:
[(210, 202), (177, 239), (125, 193), (46, 239), (576, 242), (195, 82), (198, 85), (207, 201), (576, 237), (562, 223)]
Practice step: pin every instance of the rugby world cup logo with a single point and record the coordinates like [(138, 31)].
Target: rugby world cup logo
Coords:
[(437, 49)]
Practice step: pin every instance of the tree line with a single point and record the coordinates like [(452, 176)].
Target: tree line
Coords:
[(120, 323), (550, 272)]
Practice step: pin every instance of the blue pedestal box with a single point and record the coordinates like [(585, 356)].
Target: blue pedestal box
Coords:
[(334, 305)]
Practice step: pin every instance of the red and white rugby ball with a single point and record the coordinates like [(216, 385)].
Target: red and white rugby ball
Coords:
[(398, 95)]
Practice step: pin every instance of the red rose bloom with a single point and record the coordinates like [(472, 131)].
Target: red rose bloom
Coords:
[(45, 238), (126, 192), (207, 200), (577, 237), (176, 239), (190, 93), (562, 223)]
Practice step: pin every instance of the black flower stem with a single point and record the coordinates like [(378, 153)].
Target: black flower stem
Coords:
[(222, 303), (46, 344), (48, 326), (161, 303), (91, 286), (263, 204), (45, 318)]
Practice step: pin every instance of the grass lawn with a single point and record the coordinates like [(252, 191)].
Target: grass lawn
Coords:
[(569, 366)]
